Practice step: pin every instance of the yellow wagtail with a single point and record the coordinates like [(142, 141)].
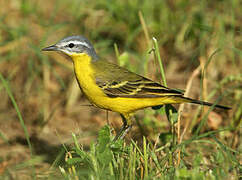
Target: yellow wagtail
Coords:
[(111, 87)]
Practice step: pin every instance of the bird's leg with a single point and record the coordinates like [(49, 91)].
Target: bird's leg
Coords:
[(126, 130), (127, 125), (121, 130)]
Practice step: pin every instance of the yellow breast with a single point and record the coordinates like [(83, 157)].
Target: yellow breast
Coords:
[(85, 77)]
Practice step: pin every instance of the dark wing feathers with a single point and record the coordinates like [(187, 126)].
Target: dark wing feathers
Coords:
[(141, 90), (119, 82)]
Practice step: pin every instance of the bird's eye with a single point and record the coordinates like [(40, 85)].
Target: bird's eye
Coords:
[(71, 45)]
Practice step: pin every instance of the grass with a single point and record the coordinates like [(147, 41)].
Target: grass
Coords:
[(197, 42), (117, 160)]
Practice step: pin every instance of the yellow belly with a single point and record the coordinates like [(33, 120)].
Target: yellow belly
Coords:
[(129, 105)]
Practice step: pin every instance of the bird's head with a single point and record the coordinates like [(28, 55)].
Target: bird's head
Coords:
[(73, 45)]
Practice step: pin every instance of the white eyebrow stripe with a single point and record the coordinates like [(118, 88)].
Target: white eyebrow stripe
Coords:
[(77, 43)]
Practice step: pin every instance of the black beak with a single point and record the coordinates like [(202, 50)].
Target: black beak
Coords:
[(51, 48)]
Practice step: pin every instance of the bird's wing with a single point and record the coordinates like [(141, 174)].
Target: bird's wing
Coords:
[(116, 81)]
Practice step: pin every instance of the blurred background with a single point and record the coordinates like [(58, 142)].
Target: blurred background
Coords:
[(191, 35)]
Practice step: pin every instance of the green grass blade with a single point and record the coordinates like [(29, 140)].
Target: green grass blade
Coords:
[(6, 86), (157, 53)]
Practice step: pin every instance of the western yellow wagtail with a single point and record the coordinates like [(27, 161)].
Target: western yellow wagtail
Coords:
[(111, 87)]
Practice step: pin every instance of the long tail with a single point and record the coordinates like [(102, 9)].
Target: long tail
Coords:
[(194, 101)]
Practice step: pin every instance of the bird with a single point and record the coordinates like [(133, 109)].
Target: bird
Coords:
[(112, 87)]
